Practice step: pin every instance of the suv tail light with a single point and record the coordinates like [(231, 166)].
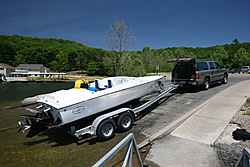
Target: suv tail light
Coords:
[(197, 76)]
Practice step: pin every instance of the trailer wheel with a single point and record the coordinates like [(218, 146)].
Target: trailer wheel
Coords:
[(125, 122), (206, 84), (106, 129)]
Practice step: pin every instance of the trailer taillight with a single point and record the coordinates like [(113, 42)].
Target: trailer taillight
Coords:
[(197, 76)]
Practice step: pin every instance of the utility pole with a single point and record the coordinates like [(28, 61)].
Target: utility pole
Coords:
[(115, 66), (180, 51), (79, 65)]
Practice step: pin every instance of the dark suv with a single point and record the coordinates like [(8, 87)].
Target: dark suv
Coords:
[(201, 73)]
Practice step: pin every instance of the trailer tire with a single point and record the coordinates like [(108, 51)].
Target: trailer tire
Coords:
[(125, 122), (106, 130)]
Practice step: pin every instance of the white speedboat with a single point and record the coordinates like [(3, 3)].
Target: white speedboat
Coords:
[(67, 106)]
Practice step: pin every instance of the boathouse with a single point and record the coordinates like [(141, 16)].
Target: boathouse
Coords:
[(31, 70), (25, 71), (6, 69)]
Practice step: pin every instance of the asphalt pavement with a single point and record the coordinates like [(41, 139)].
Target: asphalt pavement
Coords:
[(188, 141)]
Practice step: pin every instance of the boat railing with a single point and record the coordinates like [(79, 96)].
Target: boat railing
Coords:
[(130, 139), (245, 157)]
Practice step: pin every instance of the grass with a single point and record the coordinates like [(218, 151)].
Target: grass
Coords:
[(248, 102), (247, 106)]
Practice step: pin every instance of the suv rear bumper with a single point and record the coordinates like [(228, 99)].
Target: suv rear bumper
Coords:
[(188, 82)]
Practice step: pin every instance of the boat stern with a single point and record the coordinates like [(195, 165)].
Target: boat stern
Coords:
[(40, 121)]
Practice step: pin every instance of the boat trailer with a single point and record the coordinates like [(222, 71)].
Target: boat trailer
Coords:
[(104, 126)]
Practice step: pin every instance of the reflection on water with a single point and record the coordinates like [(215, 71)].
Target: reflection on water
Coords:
[(51, 147), (13, 92)]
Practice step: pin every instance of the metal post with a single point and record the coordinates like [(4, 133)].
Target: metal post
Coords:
[(245, 157), (132, 143)]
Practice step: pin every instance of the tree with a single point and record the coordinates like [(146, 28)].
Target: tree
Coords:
[(109, 63), (7, 52), (119, 39), (134, 65), (179, 52), (220, 55), (147, 57), (241, 58), (61, 64), (164, 56), (155, 60), (236, 42), (93, 67)]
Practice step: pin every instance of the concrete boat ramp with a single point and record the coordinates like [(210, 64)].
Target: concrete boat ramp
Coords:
[(190, 144)]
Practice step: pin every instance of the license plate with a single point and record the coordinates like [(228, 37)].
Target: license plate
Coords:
[(183, 82)]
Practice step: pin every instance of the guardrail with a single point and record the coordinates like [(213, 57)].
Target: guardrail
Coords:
[(128, 156), (245, 156)]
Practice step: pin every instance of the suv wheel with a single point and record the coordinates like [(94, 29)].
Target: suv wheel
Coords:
[(206, 84), (225, 79)]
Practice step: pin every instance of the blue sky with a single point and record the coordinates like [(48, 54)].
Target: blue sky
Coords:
[(156, 23)]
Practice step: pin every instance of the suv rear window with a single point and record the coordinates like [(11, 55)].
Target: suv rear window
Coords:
[(202, 66)]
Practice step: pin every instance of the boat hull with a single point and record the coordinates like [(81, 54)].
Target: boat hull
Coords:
[(104, 102), (101, 101)]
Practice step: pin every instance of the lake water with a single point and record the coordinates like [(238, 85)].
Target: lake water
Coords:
[(51, 147), (16, 92)]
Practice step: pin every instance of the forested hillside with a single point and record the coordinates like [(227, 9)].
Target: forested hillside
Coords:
[(64, 55)]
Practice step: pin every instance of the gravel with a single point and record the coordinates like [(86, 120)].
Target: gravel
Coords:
[(228, 149)]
